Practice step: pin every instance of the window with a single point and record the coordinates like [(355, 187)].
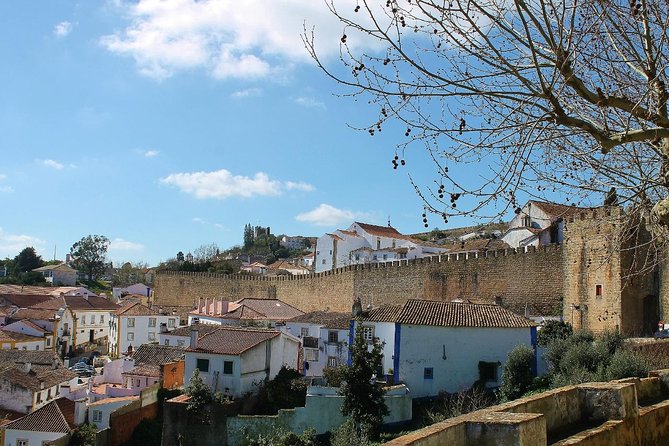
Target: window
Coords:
[(333, 337), (152, 336), (378, 243), (598, 290), (527, 221), (102, 319), (181, 343), (330, 252), (304, 331), (48, 341), (323, 262), (202, 365), (374, 257), (385, 257), (368, 333), (37, 347), (39, 397), (97, 416), (92, 319), (318, 252), (171, 322), (130, 336), (428, 373), (357, 257), (48, 394), (488, 371), (394, 243), (139, 383), (83, 320), (131, 322), (152, 322), (21, 442), (227, 367), (311, 354), (333, 361), (167, 342)]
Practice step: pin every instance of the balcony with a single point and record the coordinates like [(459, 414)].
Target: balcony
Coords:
[(310, 342)]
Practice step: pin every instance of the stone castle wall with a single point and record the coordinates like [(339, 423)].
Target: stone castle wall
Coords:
[(516, 279)]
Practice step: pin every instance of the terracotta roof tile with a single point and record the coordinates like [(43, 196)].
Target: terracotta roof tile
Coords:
[(233, 340), (385, 313), (57, 416), (117, 399), (10, 336), (135, 309), (273, 309), (34, 313), (92, 303), (203, 329), (150, 370), (556, 210), (23, 300), (456, 314), (157, 354), (325, 318)]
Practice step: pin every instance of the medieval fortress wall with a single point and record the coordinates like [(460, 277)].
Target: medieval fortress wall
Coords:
[(514, 278), (583, 279)]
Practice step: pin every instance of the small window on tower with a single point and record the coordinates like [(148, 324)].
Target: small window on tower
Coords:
[(598, 290)]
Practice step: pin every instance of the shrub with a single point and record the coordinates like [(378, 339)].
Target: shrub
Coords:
[(626, 364), (282, 438), (553, 330), (334, 375), (517, 376), (346, 435)]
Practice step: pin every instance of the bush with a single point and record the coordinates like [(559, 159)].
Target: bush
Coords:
[(553, 330), (334, 375), (626, 364), (517, 376), (346, 435), (285, 391), (282, 438)]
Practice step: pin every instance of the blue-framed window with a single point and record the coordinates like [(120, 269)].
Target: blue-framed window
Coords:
[(428, 373)]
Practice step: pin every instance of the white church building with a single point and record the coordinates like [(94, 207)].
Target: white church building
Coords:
[(363, 243)]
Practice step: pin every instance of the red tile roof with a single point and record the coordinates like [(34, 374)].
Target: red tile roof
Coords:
[(10, 336), (135, 309), (385, 313), (556, 210), (23, 300), (91, 303), (34, 313), (460, 314), (57, 416), (325, 318), (233, 340), (273, 309), (149, 370)]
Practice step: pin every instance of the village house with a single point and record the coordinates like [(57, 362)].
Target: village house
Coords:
[(61, 275), (254, 268), (435, 346), (539, 223), (296, 242), (234, 360), (155, 364), (362, 243), (31, 379), (181, 336), (100, 411), (33, 334), (247, 311), (324, 338), (91, 314), (138, 288), (57, 323), (49, 423), (134, 324), (284, 266)]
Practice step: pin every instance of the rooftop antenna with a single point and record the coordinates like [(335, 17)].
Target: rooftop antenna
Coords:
[(389, 221)]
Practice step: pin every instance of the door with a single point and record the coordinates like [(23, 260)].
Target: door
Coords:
[(91, 336)]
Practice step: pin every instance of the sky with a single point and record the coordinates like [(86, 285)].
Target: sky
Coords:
[(166, 125)]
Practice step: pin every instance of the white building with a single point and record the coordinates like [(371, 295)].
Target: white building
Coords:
[(61, 274), (28, 333), (31, 379), (135, 324), (100, 410), (280, 266), (255, 268), (51, 422), (138, 288), (363, 243), (181, 336), (296, 242), (234, 360), (324, 338), (434, 346), (539, 223), (90, 313)]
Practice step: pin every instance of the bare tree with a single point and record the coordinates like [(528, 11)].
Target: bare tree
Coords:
[(549, 98)]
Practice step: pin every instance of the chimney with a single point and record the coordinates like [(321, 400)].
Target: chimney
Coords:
[(54, 362), (357, 307), (193, 336), (86, 296), (26, 367), (66, 362)]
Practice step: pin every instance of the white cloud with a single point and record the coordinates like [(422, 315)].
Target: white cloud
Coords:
[(6, 189), (51, 163), (326, 215), (3, 176), (252, 38), (222, 184), (309, 102), (12, 244), (62, 29), (119, 244), (151, 153), (246, 93), (202, 221)]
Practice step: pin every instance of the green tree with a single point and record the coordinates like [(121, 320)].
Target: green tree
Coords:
[(89, 255), (518, 375), (27, 260), (553, 330), (84, 435), (363, 398), (248, 236)]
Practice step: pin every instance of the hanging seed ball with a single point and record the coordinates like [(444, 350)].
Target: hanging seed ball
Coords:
[(357, 8), (343, 38), (426, 225), (441, 195), (424, 215), (453, 205), (397, 157), (403, 162), (386, 62)]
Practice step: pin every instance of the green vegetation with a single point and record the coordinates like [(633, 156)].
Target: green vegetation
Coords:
[(285, 391), (334, 376), (19, 269), (84, 435), (281, 438), (518, 375), (363, 398), (553, 330), (89, 256)]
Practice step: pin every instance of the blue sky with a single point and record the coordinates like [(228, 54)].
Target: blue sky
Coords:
[(168, 125)]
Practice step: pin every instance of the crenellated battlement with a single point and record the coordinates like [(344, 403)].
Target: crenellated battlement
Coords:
[(398, 264)]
